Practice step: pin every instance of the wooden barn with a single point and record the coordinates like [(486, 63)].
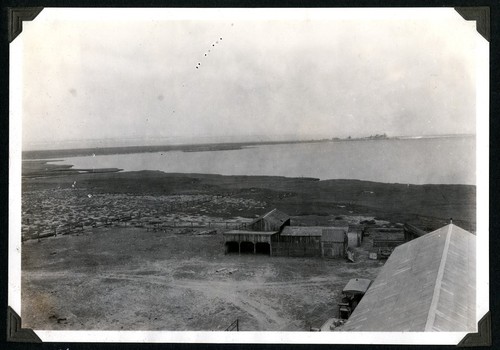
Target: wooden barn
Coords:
[(275, 220), (320, 241), (272, 234)]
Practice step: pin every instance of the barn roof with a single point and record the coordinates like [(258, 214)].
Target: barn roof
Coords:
[(302, 231), (327, 233), (275, 217), (427, 284), (255, 233)]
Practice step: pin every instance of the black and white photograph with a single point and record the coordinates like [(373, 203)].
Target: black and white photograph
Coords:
[(300, 175)]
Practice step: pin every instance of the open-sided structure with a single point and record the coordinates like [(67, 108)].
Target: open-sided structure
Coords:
[(238, 241)]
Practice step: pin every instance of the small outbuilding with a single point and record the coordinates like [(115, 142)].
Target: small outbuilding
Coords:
[(334, 242)]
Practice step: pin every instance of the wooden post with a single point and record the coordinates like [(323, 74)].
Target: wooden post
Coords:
[(239, 248), (254, 248)]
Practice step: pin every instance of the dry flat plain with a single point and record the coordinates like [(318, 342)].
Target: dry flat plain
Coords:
[(130, 278), (108, 269)]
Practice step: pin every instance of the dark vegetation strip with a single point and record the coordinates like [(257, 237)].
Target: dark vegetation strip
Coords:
[(425, 206)]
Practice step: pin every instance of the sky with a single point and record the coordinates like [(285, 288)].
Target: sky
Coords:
[(206, 77)]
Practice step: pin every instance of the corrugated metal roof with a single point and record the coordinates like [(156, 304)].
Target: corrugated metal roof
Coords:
[(427, 284)]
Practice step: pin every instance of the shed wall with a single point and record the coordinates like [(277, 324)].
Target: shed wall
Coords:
[(333, 250), (297, 249)]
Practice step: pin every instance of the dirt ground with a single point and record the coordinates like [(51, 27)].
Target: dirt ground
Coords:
[(130, 278)]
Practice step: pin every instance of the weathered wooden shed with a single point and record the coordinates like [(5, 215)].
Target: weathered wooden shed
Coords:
[(298, 241), (254, 242), (274, 220), (321, 241), (387, 238), (334, 242)]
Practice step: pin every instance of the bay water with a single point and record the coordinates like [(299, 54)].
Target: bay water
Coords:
[(446, 160)]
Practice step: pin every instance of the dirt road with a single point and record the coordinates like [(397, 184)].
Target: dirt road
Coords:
[(132, 279)]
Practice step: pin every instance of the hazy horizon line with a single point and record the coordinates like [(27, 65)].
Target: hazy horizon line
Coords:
[(192, 141)]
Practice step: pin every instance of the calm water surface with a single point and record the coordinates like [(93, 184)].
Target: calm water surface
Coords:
[(415, 161)]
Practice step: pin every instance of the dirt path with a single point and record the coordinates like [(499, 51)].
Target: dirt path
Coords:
[(238, 294), (132, 279)]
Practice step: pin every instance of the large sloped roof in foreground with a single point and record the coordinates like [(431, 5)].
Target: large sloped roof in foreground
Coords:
[(427, 284)]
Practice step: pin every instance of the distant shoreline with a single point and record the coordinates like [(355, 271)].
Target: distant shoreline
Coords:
[(206, 147), (32, 169)]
